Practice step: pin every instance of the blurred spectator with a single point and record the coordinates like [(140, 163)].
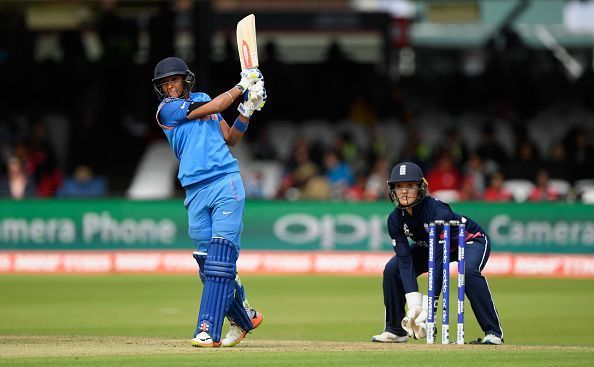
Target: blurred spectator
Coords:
[(303, 173), (306, 183), (42, 157), (490, 150), (21, 152), (543, 191), (495, 191), (468, 191), (300, 169), (253, 185), (444, 176), (580, 151), (316, 188), (346, 147), (338, 173), (82, 184), (525, 164), (300, 154), (17, 184), (262, 148), (357, 191), (456, 146), (415, 149), (521, 137), (474, 176), (558, 165), (375, 187)]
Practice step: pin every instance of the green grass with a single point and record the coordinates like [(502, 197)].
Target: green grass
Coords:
[(384, 358), (49, 319)]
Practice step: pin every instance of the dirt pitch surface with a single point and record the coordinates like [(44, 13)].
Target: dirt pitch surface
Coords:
[(68, 346)]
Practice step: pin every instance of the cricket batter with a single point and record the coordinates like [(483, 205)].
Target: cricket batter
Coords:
[(215, 196), (414, 211)]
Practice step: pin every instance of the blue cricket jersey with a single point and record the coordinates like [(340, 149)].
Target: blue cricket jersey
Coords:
[(198, 144), (416, 227)]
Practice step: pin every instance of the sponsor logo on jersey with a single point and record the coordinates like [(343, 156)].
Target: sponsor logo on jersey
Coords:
[(406, 230)]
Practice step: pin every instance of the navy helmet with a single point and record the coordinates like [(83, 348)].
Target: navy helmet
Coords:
[(172, 66), (407, 172)]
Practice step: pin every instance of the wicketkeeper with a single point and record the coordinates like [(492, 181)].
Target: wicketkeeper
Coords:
[(410, 219)]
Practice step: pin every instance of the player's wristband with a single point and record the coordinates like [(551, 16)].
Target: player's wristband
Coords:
[(240, 125)]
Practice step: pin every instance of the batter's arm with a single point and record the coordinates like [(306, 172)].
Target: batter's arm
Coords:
[(233, 134), (217, 105), (224, 100)]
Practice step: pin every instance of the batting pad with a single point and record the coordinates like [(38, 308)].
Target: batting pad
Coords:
[(200, 258), (219, 287), (237, 311)]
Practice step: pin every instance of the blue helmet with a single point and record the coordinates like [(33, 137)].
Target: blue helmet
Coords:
[(172, 66), (407, 172)]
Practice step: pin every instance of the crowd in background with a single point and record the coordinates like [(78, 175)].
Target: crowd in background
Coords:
[(105, 105), (344, 170)]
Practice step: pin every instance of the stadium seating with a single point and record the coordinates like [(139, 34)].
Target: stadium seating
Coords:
[(447, 196), (282, 135), (581, 186), (519, 188), (561, 186), (264, 176), (155, 175), (588, 196)]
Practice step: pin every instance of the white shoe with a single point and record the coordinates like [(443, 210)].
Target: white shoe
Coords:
[(489, 339), (493, 340), (236, 334), (387, 337), (204, 340)]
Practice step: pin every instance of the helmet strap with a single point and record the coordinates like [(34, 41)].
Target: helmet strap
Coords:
[(421, 194)]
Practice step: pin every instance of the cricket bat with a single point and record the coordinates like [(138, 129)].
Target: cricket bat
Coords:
[(246, 42)]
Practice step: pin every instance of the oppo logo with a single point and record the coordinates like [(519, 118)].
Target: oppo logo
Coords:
[(332, 230)]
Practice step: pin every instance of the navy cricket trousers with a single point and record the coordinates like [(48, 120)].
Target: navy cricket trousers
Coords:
[(477, 290)]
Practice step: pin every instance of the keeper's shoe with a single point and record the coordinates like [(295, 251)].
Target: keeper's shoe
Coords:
[(236, 334), (203, 340), (489, 339), (388, 337)]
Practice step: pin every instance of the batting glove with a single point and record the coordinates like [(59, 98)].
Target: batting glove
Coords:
[(248, 78), (246, 108), (254, 100), (257, 94)]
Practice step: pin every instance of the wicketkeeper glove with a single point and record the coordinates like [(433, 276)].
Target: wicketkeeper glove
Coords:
[(416, 317), (248, 78)]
